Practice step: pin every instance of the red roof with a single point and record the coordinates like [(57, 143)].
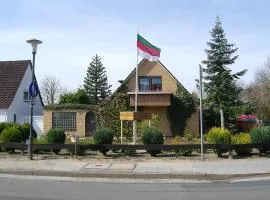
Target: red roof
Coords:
[(11, 75)]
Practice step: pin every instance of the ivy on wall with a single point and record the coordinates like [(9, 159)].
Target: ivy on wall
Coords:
[(108, 116), (182, 106)]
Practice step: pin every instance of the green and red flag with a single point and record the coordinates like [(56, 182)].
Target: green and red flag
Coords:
[(147, 50)]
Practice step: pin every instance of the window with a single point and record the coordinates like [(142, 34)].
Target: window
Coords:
[(26, 96), (148, 83), (64, 120)]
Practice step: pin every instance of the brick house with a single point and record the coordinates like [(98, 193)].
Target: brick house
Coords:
[(157, 86)]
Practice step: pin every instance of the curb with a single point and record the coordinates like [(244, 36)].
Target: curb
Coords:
[(194, 176)]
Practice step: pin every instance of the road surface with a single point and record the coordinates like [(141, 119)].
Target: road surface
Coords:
[(40, 188)]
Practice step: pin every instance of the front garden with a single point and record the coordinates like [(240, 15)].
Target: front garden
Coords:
[(219, 143)]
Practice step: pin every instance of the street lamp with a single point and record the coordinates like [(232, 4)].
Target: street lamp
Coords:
[(34, 43)]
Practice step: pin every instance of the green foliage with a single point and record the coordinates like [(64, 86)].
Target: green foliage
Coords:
[(103, 136), (108, 116), (220, 87), (180, 152), (218, 136), (261, 136), (88, 140), (25, 131), (78, 97), (4, 125), (56, 135), (41, 140), (71, 106), (153, 136), (96, 82), (188, 136), (155, 123), (242, 138), (11, 134), (182, 106)]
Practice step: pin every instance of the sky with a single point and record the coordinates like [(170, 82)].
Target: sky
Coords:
[(74, 31)]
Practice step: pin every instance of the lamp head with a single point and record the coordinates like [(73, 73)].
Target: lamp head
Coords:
[(34, 43)]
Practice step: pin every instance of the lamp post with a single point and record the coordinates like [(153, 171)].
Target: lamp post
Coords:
[(34, 43)]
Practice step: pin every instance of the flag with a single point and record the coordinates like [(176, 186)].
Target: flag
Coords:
[(147, 50)]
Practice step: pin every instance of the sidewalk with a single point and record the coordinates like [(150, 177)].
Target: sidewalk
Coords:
[(214, 170)]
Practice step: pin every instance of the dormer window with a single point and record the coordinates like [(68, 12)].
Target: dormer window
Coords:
[(150, 83)]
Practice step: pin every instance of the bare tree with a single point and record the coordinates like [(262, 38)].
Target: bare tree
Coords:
[(259, 91), (51, 89)]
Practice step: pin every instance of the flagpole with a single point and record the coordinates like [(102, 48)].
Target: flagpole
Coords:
[(201, 111), (136, 101)]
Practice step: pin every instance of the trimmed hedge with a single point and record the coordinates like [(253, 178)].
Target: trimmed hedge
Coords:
[(56, 136), (25, 131), (261, 136), (242, 138), (218, 136), (103, 136), (11, 134), (152, 136)]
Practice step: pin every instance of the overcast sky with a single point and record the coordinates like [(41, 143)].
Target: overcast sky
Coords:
[(74, 31)]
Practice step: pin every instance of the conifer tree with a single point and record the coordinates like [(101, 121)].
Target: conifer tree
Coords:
[(96, 82), (220, 87)]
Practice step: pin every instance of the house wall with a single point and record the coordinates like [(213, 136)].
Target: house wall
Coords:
[(19, 106), (164, 122), (154, 69), (80, 121), (3, 117)]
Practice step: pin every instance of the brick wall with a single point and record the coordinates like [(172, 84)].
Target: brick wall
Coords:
[(80, 121)]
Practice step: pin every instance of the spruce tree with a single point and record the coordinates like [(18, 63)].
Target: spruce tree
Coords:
[(220, 87), (96, 82)]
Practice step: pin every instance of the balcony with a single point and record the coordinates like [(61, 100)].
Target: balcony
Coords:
[(151, 98)]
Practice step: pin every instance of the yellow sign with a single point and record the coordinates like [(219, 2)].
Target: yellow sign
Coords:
[(130, 115)]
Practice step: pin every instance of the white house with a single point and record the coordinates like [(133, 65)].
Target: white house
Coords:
[(15, 78)]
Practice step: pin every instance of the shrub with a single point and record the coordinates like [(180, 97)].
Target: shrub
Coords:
[(181, 152), (153, 136), (40, 140), (56, 136), (11, 134), (188, 136), (261, 136), (25, 131), (103, 136), (218, 136), (4, 125), (242, 138)]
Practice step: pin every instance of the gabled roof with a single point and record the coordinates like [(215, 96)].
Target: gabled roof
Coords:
[(11, 75), (141, 64)]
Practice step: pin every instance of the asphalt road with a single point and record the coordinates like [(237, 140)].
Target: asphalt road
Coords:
[(47, 189)]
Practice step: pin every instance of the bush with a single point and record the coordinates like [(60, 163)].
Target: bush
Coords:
[(25, 131), (11, 134), (56, 136), (180, 152), (242, 138), (41, 140), (103, 136), (4, 125), (153, 136), (218, 136), (261, 136), (188, 136)]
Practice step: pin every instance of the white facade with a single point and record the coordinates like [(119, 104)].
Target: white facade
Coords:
[(3, 115), (19, 109)]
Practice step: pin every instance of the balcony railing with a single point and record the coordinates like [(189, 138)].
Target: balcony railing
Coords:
[(151, 98)]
